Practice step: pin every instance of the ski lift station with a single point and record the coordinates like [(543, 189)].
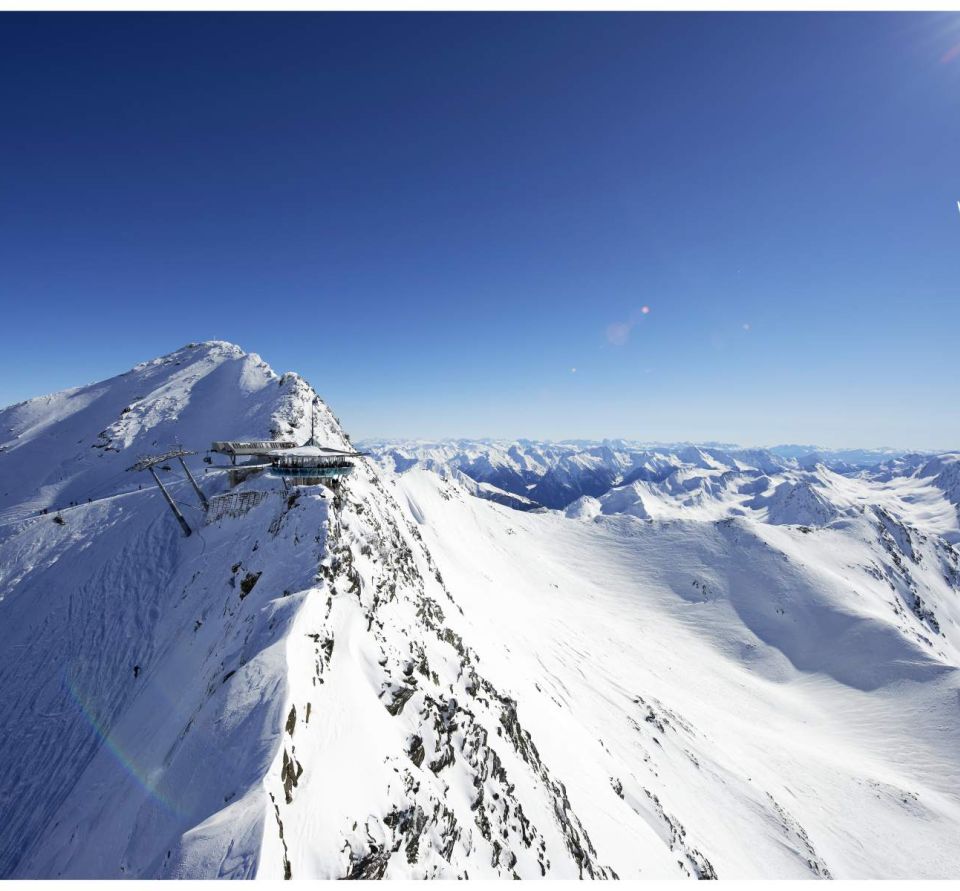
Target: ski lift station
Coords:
[(305, 465)]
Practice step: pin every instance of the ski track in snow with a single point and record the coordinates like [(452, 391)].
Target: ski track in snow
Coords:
[(703, 663)]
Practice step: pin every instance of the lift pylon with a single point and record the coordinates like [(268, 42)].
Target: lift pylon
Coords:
[(149, 462)]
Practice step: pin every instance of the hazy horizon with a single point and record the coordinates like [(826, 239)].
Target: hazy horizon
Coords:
[(637, 438)]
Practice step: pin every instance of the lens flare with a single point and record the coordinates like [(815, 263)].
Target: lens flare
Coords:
[(147, 779)]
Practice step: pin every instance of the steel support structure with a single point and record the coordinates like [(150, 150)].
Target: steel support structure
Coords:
[(193, 482), (173, 505)]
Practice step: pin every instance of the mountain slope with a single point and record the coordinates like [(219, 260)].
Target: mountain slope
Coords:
[(119, 743), (750, 691)]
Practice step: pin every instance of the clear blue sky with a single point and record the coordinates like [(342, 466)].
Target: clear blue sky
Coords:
[(437, 218)]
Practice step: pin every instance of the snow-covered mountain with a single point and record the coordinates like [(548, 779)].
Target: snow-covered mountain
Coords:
[(710, 662), (556, 475)]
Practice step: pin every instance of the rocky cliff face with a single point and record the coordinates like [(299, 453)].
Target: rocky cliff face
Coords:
[(423, 766)]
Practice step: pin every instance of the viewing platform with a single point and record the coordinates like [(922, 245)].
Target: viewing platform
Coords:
[(310, 462)]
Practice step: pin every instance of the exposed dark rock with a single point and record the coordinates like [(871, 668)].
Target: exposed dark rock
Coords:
[(247, 583)]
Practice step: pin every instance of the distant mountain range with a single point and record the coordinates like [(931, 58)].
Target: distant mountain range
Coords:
[(529, 474)]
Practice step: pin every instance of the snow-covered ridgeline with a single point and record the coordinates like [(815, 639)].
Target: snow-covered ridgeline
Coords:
[(712, 662)]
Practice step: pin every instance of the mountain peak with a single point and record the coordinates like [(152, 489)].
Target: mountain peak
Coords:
[(74, 444), (196, 350)]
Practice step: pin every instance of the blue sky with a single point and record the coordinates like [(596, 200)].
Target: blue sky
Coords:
[(436, 219)]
